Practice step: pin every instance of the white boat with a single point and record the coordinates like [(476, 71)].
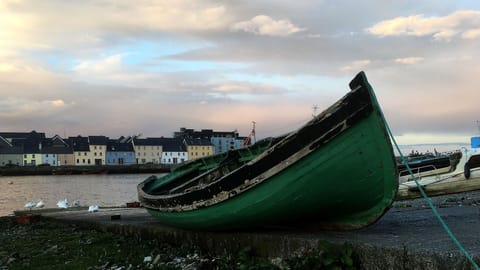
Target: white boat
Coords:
[(463, 177)]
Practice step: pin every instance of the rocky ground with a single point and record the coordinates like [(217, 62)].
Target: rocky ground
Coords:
[(48, 244), (460, 199)]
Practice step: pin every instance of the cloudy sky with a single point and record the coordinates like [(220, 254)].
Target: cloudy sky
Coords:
[(118, 67)]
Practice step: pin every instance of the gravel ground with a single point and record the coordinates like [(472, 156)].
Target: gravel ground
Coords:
[(460, 199)]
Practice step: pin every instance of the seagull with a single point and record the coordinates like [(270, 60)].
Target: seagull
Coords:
[(63, 204), (30, 205), (76, 203), (40, 204), (93, 208)]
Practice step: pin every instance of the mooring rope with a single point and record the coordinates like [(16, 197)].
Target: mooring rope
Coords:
[(427, 199)]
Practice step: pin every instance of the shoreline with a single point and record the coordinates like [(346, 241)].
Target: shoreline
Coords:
[(67, 170)]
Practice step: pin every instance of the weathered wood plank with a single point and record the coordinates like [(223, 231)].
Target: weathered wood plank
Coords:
[(441, 188)]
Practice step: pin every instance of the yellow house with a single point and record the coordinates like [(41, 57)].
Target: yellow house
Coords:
[(97, 150), (89, 151), (198, 148), (81, 151), (32, 159), (148, 150)]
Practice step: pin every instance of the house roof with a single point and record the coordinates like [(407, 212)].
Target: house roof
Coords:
[(117, 146), (23, 135), (197, 141), (204, 133), (98, 140), (7, 148), (172, 145), (79, 143), (56, 150), (148, 141), (55, 145)]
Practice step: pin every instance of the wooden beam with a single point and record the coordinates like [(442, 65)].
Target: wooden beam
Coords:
[(437, 189)]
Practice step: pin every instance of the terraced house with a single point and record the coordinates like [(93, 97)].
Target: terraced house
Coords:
[(62, 149), (120, 152), (222, 141), (198, 148), (174, 151), (148, 150), (34, 149), (10, 154), (81, 151), (98, 149)]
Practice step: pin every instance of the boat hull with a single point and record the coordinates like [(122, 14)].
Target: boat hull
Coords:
[(465, 177), (338, 199), (347, 182)]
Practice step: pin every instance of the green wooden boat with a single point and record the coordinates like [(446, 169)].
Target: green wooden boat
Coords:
[(338, 171)]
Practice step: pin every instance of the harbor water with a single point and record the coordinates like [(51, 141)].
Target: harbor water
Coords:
[(101, 190)]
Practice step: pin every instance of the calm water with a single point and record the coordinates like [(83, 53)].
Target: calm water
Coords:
[(101, 190)]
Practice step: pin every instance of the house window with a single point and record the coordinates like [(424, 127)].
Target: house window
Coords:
[(95, 147), (46, 155), (100, 153), (95, 153), (83, 161), (78, 161), (25, 156), (84, 153), (33, 155), (88, 161)]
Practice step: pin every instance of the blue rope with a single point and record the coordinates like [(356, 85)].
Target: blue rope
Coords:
[(427, 199)]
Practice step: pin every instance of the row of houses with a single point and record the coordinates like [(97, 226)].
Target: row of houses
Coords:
[(34, 148)]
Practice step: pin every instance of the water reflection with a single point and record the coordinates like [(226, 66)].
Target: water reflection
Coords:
[(102, 190)]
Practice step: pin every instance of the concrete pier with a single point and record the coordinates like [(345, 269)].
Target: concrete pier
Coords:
[(408, 236)]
